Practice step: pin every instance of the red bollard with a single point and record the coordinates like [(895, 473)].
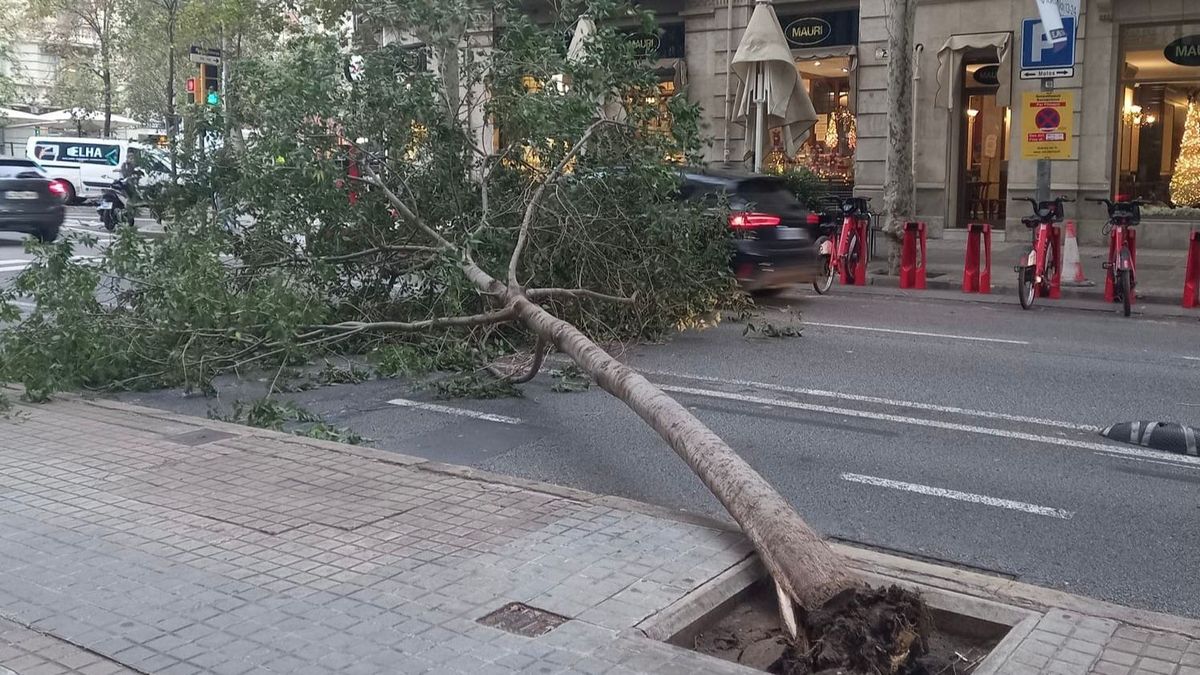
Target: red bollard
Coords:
[(975, 279), (912, 265), (1191, 279)]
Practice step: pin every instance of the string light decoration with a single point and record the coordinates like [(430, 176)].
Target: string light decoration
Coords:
[(1185, 178)]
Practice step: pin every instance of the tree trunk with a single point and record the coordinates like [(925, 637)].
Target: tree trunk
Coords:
[(172, 122), (797, 557), (106, 77), (899, 180), (451, 68)]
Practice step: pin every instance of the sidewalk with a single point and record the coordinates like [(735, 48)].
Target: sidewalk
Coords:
[(1160, 272), (134, 540)]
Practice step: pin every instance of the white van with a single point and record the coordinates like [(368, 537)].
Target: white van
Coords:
[(87, 165)]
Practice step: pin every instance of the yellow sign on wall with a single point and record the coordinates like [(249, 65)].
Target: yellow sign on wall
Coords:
[(1046, 118)]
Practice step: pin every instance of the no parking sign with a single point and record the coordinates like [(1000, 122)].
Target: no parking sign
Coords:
[(1046, 124)]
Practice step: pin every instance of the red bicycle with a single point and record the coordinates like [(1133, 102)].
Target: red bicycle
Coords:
[(1041, 266), (849, 259), (1122, 251)]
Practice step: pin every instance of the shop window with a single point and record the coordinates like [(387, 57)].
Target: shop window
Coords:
[(1158, 103), (829, 149)]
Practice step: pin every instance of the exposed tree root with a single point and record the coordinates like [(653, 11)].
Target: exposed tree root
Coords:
[(867, 631)]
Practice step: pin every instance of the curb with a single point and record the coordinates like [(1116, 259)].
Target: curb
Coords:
[(1091, 293), (1004, 598), (944, 291)]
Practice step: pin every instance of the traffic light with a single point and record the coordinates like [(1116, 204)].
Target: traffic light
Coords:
[(191, 87), (207, 88)]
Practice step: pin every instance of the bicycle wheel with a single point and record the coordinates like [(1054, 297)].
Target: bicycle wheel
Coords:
[(1051, 270), (824, 282), (851, 260), (1026, 290), (1124, 290)]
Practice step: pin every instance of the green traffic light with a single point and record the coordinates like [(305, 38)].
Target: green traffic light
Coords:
[(213, 98)]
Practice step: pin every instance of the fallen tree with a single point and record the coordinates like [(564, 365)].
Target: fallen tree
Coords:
[(371, 214)]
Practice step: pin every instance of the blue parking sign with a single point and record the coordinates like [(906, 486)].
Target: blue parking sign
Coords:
[(1040, 59)]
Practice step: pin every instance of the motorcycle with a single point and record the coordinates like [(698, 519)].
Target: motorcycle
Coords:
[(115, 207)]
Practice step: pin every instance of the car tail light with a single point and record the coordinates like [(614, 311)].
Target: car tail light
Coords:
[(58, 189), (748, 220), (813, 219)]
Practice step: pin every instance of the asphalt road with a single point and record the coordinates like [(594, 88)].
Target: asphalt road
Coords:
[(954, 431), (79, 220)]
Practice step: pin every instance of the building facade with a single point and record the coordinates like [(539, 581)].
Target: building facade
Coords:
[(1131, 102)]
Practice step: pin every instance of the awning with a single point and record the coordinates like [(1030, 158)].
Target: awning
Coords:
[(765, 65), (831, 52), (12, 115), (950, 65), (674, 70)]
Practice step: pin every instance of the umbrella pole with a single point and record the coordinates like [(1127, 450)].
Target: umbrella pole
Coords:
[(759, 123)]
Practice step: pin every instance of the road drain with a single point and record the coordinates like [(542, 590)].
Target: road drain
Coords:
[(521, 619)]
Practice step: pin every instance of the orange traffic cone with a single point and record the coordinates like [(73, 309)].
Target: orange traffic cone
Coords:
[(1072, 265)]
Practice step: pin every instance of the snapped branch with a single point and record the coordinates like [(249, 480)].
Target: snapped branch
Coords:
[(537, 294), (483, 319), (536, 200)]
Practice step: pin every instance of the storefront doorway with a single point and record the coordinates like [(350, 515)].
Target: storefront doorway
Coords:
[(982, 174)]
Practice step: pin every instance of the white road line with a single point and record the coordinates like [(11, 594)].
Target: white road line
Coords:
[(937, 424), (882, 401), (1149, 461), (1190, 358), (917, 333), (22, 264), (433, 407), (960, 496)]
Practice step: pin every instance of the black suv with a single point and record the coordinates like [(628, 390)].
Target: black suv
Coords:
[(30, 202), (773, 233)]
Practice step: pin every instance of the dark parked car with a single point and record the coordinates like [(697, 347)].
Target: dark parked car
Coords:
[(773, 233), (30, 201)]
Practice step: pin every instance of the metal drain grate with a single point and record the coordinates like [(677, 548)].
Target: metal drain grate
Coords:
[(521, 619), (200, 437)]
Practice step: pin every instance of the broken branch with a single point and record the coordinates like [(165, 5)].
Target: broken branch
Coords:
[(536, 200), (576, 293), (499, 316)]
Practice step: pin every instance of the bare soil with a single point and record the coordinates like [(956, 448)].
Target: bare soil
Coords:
[(873, 632)]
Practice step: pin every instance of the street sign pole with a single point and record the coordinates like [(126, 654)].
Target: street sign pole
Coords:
[(1043, 165)]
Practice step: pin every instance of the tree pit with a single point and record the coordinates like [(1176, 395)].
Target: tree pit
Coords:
[(869, 632)]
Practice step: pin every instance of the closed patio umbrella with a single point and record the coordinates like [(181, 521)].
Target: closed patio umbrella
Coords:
[(771, 94), (609, 106)]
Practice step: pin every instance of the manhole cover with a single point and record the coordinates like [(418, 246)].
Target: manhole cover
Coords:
[(200, 437), (521, 619), (1165, 436)]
